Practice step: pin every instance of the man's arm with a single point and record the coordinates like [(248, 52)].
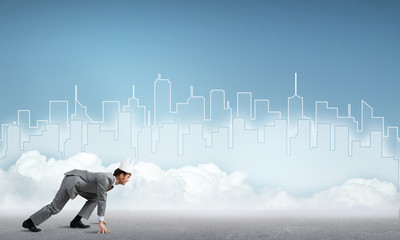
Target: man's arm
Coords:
[(101, 203), (101, 197)]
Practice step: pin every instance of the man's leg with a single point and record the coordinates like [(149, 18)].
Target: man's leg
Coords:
[(86, 210), (89, 206), (53, 208)]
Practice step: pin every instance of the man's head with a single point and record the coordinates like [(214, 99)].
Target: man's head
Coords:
[(121, 176)]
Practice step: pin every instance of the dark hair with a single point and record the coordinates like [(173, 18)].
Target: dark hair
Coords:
[(118, 172)]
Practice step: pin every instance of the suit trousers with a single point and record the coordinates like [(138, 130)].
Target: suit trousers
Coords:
[(59, 201)]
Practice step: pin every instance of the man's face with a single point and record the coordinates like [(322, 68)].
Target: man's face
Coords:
[(124, 179)]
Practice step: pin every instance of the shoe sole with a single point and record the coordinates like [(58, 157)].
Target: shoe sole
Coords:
[(80, 227)]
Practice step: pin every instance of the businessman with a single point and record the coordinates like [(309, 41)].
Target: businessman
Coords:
[(93, 186)]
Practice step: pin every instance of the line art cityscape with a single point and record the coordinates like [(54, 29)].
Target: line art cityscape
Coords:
[(301, 154)]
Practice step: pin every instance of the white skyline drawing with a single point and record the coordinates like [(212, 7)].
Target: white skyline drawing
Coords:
[(271, 150)]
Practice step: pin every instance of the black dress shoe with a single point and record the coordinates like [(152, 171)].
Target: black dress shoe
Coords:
[(78, 225), (30, 225)]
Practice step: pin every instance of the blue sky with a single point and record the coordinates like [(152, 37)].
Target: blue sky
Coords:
[(343, 51)]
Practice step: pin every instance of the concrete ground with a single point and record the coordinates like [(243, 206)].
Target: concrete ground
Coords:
[(149, 225)]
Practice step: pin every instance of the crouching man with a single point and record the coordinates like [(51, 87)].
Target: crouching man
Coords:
[(93, 186)]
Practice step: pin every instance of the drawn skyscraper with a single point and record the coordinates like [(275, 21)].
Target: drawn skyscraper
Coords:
[(162, 101), (13, 146), (220, 112), (193, 111), (58, 114), (24, 122), (244, 105), (111, 110), (295, 112), (81, 115), (369, 123), (137, 117)]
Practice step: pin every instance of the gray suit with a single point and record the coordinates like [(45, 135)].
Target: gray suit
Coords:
[(92, 186)]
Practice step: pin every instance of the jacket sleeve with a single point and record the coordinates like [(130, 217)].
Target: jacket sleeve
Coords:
[(102, 184)]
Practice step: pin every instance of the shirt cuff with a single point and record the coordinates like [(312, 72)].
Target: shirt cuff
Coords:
[(101, 218)]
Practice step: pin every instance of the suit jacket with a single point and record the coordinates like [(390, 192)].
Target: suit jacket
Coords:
[(96, 183)]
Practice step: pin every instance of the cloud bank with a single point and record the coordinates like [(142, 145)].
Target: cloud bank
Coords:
[(33, 181)]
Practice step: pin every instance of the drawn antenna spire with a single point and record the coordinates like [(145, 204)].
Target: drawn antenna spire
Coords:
[(295, 84), (349, 110), (76, 96)]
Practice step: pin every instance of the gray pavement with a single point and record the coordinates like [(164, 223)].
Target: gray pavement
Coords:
[(200, 225)]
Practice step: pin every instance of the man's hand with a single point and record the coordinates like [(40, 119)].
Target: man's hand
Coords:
[(102, 228)]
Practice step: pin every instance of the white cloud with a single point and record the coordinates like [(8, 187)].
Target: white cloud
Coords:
[(33, 181), (359, 192)]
